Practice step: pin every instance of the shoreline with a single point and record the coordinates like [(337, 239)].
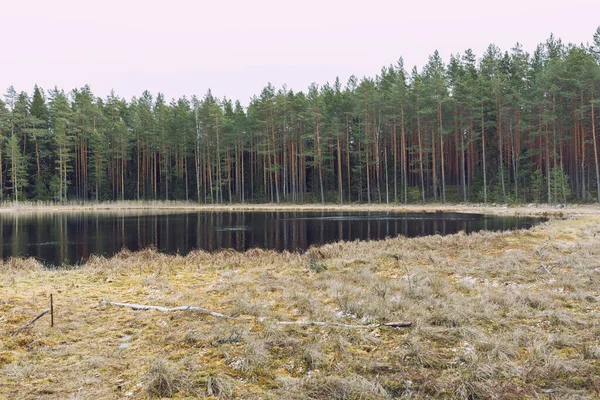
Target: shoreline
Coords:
[(176, 206)]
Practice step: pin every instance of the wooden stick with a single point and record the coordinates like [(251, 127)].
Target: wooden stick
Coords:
[(165, 309), (31, 322), (51, 311), (399, 324)]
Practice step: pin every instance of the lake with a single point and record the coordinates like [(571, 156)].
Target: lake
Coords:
[(63, 238)]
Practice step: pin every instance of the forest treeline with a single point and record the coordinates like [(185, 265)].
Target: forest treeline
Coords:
[(506, 127)]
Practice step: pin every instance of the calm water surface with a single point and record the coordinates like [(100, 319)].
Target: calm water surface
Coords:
[(70, 238)]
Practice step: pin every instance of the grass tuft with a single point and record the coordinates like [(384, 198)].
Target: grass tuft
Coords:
[(163, 379)]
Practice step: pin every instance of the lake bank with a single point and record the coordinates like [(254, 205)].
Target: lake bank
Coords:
[(179, 206), (511, 314)]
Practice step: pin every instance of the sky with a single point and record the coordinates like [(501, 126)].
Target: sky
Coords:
[(185, 47)]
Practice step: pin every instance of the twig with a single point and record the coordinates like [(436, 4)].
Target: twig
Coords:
[(541, 256), (165, 309), (397, 258), (542, 266), (408, 279), (31, 322), (51, 311)]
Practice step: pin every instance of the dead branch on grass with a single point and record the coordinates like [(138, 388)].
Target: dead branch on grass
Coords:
[(540, 253), (166, 309), (27, 325), (398, 324)]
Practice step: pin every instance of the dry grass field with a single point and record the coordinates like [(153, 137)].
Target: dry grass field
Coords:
[(494, 315)]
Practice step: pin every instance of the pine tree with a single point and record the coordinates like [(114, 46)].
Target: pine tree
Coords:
[(42, 148), (4, 132), (17, 166), (61, 127)]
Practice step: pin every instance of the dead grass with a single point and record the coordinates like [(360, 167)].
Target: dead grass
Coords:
[(488, 322), (179, 206), (163, 380)]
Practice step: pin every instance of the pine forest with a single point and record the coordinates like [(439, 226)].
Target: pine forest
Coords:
[(503, 127)]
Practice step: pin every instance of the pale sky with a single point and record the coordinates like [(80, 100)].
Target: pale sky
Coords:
[(185, 47)]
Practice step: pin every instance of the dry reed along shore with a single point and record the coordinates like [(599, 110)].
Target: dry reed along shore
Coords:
[(494, 315)]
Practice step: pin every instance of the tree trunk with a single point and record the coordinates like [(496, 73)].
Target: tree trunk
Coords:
[(348, 157), (433, 165), (595, 139), (403, 154), (547, 151), (339, 168), (501, 145), (387, 187), (420, 152), (462, 164), (483, 156), (395, 154), (442, 152)]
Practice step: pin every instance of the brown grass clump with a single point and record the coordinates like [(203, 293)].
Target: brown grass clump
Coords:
[(488, 322), (163, 380), (340, 388), (220, 386)]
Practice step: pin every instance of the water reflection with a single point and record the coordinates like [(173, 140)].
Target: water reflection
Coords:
[(69, 238)]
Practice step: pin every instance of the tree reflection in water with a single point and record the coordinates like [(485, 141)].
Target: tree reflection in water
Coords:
[(69, 238)]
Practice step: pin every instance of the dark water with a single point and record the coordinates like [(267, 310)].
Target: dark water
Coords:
[(69, 238)]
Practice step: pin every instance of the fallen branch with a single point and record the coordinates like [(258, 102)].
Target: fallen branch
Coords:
[(27, 325), (543, 266), (400, 324), (165, 309)]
